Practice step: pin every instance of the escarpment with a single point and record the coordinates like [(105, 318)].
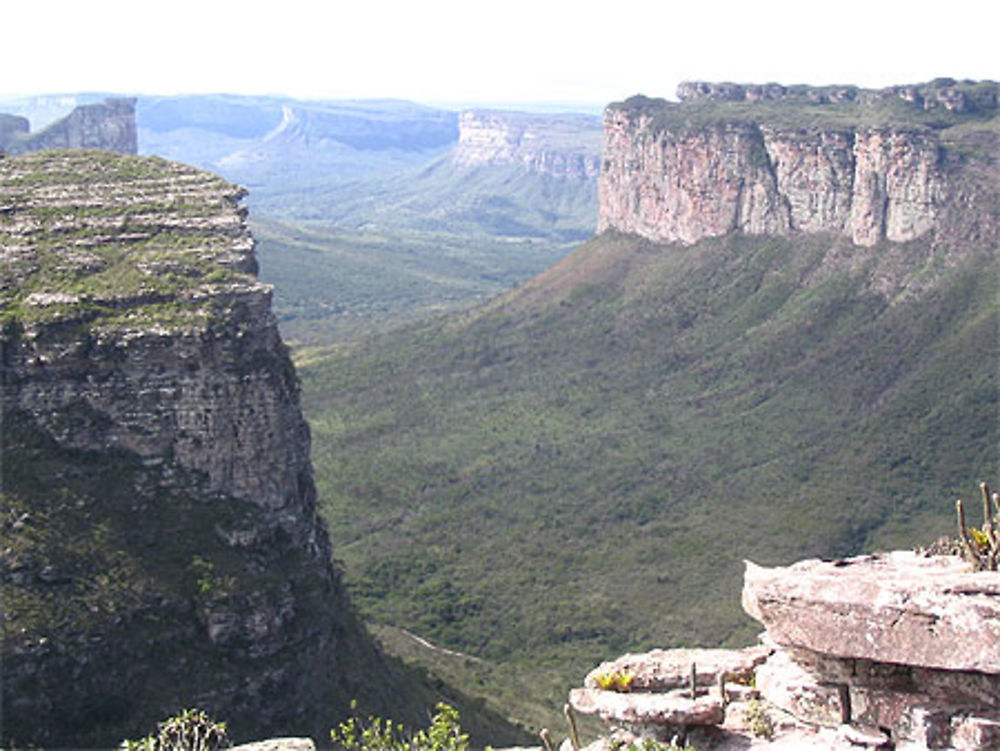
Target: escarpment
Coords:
[(867, 166), (161, 547), (563, 146), (109, 125)]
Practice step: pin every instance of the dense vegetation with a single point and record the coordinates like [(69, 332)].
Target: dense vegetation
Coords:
[(348, 257), (331, 284), (131, 584), (579, 467), (828, 107)]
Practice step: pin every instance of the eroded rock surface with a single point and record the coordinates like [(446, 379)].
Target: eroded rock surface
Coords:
[(109, 126), (893, 650), (771, 160), (900, 607), (563, 146)]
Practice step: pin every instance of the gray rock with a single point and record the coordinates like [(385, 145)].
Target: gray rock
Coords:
[(664, 669), (109, 126), (652, 710), (278, 744), (891, 608)]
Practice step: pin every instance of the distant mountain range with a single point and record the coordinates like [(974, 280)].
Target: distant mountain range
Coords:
[(370, 212)]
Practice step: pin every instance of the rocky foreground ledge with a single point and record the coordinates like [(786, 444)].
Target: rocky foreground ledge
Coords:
[(888, 651)]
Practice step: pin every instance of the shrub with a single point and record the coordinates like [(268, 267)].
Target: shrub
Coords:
[(758, 721), (378, 734), (188, 730)]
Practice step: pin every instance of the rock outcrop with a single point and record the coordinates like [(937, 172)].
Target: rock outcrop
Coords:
[(886, 651), (161, 546), (12, 128), (769, 160), (109, 126), (564, 146), (942, 93)]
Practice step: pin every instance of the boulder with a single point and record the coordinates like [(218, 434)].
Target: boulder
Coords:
[(650, 710), (666, 669), (900, 607), (278, 744)]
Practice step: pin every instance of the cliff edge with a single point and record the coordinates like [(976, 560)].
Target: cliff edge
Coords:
[(563, 146), (109, 125), (885, 651), (160, 542), (868, 166)]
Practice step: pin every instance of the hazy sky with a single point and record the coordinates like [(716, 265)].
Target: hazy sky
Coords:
[(468, 50)]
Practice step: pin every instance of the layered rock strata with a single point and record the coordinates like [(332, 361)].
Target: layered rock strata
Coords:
[(898, 642), (887, 651), (869, 185), (109, 125), (563, 146), (766, 160), (161, 545)]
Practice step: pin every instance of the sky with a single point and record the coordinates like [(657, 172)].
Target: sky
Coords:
[(437, 51)]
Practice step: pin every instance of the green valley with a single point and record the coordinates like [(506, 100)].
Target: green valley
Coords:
[(579, 467)]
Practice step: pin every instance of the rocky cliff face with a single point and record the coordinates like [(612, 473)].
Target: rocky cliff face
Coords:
[(565, 146), (868, 166), (12, 127), (161, 546), (108, 125)]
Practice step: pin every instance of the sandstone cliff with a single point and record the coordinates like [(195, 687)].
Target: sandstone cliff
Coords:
[(161, 546), (565, 146), (867, 166), (109, 125)]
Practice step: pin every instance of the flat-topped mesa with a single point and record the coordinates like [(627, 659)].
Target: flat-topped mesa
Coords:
[(771, 160), (157, 260), (109, 126), (161, 542), (941, 93), (563, 146)]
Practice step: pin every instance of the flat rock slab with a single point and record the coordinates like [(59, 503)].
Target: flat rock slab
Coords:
[(278, 744), (896, 607), (669, 709), (667, 669)]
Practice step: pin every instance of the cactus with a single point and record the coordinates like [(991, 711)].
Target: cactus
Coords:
[(574, 736), (982, 545), (188, 730)]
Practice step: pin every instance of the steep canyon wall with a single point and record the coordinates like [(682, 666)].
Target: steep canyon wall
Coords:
[(731, 160), (161, 543), (564, 146)]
